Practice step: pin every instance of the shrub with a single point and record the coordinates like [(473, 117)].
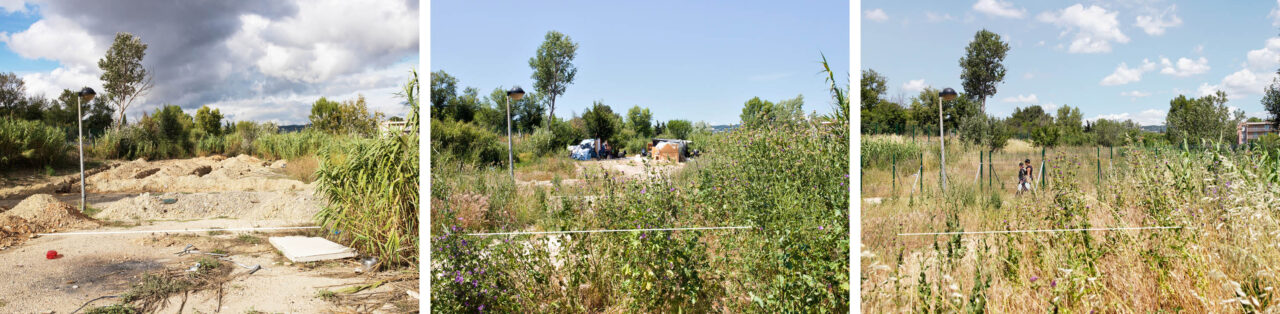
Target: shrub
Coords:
[(543, 142), (466, 142), (30, 142), (881, 151)]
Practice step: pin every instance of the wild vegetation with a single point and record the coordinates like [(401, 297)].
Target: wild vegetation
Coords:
[(784, 180)]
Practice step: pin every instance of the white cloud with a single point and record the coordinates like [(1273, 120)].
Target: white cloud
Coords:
[(935, 17), (1028, 76), (1184, 67), (1266, 58), (914, 86), (13, 6), (1199, 49), (1095, 28), (1023, 99), (1275, 15), (1040, 44), (1156, 24), (1125, 75), (998, 8), (877, 15), (1246, 82), (264, 62), (1146, 117), (56, 39), (1135, 94)]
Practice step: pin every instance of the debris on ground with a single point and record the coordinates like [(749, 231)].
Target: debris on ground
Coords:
[(310, 249)]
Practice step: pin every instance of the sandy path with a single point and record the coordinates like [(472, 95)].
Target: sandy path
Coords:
[(98, 265)]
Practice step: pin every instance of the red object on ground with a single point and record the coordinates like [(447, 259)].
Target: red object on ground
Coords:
[(51, 254)]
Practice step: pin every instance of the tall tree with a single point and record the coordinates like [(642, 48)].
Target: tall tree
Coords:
[(1201, 119), (12, 90), (640, 120), (1271, 102), (873, 85), (599, 121), (209, 121), (755, 112), (981, 67), (680, 129), (444, 88), (553, 68), (123, 76)]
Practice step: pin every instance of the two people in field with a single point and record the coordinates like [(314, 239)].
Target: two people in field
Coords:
[(1025, 176)]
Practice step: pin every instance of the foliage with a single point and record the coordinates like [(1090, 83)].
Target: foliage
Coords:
[(553, 68), (924, 110), (30, 142), (466, 142), (347, 117), (873, 85), (883, 151), (981, 67), (123, 77), (1111, 133), (1046, 136), (1271, 102), (640, 121), (444, 88), (526, 113), (757, 112), (12, 92), (1200, 120), (600, 121), (1026, 120), (680, 129), (209, 121), (372, 192)]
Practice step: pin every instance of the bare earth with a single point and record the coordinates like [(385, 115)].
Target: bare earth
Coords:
[(209, 192)]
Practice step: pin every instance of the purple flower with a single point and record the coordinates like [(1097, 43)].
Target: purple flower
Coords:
[(482, 307), (458, 279), (1053, 284), (819, 227), (1034, 278)]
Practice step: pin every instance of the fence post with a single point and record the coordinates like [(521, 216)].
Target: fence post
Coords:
[(895, 174), (1099, 166), (921, 176), (1042, 150), (991, 168), (979, 170)]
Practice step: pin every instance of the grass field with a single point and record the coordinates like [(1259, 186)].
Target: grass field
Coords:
[(1222, 257)]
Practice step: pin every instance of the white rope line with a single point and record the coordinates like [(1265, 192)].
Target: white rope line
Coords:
[(607, 230), (1039, 230), (177, 230)]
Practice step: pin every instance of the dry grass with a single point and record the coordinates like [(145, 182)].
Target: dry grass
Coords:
[(302, 168), (1223, 260)]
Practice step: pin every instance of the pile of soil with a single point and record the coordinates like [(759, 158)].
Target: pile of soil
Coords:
[(204, 174), (40, 213), (47, 211), (287, 206)]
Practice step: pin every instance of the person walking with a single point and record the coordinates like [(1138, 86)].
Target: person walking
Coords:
[(1030, 174), (1022, 177)]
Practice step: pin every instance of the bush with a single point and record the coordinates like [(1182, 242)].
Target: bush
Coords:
[(30, 142), (543, 142), (466, 142), (882, 151)]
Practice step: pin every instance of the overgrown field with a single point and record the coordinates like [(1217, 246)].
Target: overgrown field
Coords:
[(1222, 255), (787, 183)]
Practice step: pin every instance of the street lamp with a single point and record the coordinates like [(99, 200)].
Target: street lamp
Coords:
[(86, 95), (513, 94), (945, 94)]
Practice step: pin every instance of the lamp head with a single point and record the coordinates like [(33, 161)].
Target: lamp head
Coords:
[(86, 94), (516, 93), (947, 94)]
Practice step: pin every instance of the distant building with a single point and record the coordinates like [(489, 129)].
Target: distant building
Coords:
[(389, 127), (1248, 131)]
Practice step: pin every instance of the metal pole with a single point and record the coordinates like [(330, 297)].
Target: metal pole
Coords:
[(80, 139), (921, 172), (991, 167), (942, 143), (979, 170), (511, 163), (1042, 150)]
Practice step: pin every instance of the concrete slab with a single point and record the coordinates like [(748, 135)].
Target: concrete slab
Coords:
[(310, 249)]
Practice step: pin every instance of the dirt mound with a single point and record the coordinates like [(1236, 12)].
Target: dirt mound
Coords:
[(13, 230), (47, 211), (204, 174), (288, 206)]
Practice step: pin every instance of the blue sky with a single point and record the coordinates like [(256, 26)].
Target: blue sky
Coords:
[(251, 60), (698, 61), (1112, 59)]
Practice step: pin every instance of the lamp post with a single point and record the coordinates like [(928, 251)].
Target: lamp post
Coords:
[(86, 95), (945, 94), (513, 94)]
